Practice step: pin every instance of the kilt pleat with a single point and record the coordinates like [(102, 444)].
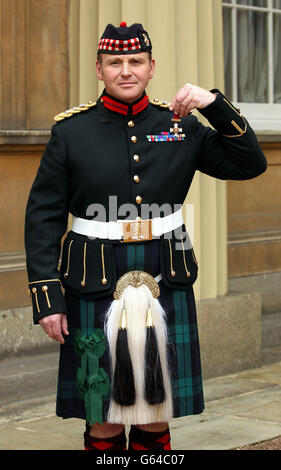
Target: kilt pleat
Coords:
[(183, 341)]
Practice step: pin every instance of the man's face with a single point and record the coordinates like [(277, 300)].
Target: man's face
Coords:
[(125, 76)]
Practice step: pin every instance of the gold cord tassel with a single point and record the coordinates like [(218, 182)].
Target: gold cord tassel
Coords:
[(45, 289), (83, 282), (68, 259), (194, 257), (34, 290), (104, 280), (173, 273), (184, 260)]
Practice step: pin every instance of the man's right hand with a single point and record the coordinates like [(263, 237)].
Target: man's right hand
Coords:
[(55, 326)]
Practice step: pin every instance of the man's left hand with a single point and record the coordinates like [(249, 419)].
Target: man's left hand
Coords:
[(190, 97)]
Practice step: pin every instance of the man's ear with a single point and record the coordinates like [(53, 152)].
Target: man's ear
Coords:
[(99, 70), (152, 69)]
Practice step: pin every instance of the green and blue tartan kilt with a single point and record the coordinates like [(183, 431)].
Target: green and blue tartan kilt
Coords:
[(183, 347)]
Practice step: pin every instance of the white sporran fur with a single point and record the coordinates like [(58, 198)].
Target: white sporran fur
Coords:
[(136, 301)]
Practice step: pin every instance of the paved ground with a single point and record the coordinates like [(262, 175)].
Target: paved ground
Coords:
[(270, 444), (242, 409)]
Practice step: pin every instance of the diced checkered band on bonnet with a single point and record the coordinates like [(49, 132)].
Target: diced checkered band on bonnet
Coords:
[(124, 39)]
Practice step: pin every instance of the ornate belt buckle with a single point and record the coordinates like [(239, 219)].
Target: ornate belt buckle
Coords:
[(137, 230)]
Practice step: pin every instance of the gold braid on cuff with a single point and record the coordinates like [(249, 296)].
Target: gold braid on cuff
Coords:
[(238, 128)]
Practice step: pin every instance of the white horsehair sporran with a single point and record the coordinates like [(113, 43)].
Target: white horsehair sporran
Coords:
[(136, 331)]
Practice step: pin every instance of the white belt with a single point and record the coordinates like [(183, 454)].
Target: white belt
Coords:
[(116, 231)]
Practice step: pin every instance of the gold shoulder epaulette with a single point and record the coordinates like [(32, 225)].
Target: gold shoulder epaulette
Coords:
[(161, 103), (75, 110)]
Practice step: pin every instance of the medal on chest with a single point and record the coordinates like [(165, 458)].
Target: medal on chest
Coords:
[(174, 135)]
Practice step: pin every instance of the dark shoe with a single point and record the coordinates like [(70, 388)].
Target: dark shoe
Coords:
[(144, 440), (117, 442)]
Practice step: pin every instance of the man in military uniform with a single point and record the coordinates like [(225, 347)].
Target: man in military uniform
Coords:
[(126, 319)]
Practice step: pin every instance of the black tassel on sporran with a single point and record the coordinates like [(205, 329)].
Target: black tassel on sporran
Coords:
[(123, 391), (154, 384)]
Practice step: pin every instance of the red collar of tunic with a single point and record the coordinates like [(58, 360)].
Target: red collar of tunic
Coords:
[(124, 108)]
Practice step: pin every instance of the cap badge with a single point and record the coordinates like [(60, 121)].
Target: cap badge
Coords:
[(146, 40)]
